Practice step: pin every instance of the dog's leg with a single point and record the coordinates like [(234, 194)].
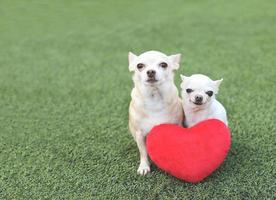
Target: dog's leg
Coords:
[(144, 166)]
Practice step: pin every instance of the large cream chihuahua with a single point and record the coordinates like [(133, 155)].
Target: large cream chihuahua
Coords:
[(155, 97)]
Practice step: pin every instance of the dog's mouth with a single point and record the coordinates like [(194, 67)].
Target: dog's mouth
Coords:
[(152, 80), (198, 103)]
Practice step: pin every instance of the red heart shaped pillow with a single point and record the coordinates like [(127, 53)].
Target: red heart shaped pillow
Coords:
[(190, 154)]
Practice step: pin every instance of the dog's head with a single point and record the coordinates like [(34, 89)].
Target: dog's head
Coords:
[(153, 67), (198, 90)]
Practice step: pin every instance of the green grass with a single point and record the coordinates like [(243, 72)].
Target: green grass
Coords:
[(65, 89)]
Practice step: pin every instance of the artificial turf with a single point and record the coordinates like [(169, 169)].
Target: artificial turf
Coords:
[(65, 89)]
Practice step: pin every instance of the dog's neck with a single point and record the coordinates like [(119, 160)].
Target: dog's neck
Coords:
[(163, 92)]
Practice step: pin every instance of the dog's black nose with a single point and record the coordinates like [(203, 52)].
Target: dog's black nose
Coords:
[(151, 73), (198, 98)]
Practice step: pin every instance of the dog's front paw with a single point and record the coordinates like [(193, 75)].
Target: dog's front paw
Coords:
[(143, 169)]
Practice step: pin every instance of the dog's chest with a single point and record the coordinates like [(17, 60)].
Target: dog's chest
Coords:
[(158, 112), (154, 107), (193, 118), (154, 119)]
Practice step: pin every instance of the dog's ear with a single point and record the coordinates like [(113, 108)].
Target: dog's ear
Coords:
[(175, 59), (217, 84), (184, 79), (131, 58)]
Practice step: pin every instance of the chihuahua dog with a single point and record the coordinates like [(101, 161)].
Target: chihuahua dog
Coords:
[(154, 98), (199, 101)]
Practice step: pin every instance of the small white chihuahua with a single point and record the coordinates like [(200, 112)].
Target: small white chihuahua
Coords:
[(155, 97), (199, 102)]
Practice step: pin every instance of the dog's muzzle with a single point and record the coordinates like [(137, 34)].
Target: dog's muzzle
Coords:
[(198, 100), (151, 76)]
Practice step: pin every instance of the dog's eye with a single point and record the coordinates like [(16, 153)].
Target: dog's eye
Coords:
[(189, 90), (140, 66), (163, 65), (209, 93)]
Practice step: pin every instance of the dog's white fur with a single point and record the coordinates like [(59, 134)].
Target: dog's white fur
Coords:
[(155, 102), (210, 107)]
